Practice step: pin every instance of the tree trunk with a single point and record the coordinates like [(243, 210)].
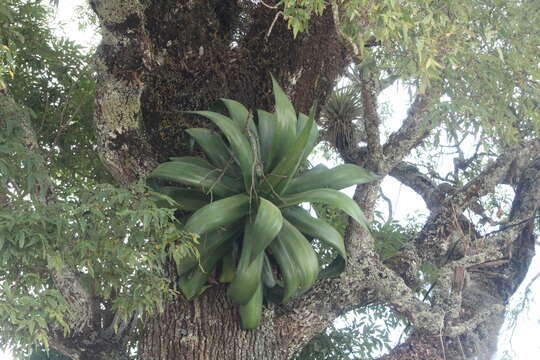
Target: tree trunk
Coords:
[(208, 328)]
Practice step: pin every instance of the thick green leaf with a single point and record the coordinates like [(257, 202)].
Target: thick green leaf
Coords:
[(267, 276), (267, 125), (251, 313), (239, 142), (258, 235), (315, 228), (283, 173), (253, 136), (218, 213), (208, 243), (297, 261), (267, 225), (305, 259), (337, 178), (248, 273), (185, 199), (189, 173), (335, 268), (285, 130), (313, 135), (330, 197), (323, 231), (192, 284), (237, 112), (288, 268), (213, 145), (226, 274)]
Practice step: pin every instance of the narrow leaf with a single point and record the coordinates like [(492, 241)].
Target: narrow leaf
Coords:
[(239, 142), (205, 178), (212, 144), (219, 213), (330, 197), (285, 131), (267, 225), (338, 178)]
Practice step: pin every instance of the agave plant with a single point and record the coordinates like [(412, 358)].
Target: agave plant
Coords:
[(246, 199)]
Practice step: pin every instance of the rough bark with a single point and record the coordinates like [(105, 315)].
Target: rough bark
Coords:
[(159, 58), (208, 328)]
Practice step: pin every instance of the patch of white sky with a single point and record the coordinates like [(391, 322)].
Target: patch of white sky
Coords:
[(521, 342)]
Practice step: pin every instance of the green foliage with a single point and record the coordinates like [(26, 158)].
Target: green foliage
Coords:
[(389, 238), (358, 335), (117, 241), (482, 54), (52, 78), (258, 213), (6, 33)]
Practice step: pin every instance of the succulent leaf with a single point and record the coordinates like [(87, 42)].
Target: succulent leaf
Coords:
[(267, 125), (218, 213), (213, 146), (206, 178), (266, 227), (248, 273), (285, 130), (282, 174), (239, 142), (338, 178), (329, 197), (251, 313), (237, 112)]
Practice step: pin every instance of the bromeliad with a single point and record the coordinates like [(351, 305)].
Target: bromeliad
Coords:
[(246, 200)]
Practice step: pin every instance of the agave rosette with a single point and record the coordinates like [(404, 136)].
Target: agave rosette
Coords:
[(246, 200)]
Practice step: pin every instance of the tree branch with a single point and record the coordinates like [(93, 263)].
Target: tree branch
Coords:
[(409, 175), (121, 145), (372, 121), (349, 42), (416, 127), (512, 159)]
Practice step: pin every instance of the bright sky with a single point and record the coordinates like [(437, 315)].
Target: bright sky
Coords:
[(524, 344)]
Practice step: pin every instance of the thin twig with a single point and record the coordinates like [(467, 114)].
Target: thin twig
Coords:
[(337, 24), (512, 225), (389, 202), (268, 6), (441, 338), (461, 348), (272, 25)]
